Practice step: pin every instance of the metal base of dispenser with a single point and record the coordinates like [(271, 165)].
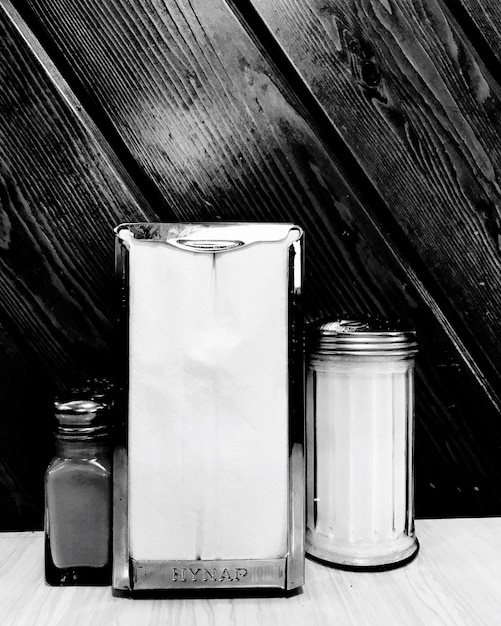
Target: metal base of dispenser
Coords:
[(132, 577)]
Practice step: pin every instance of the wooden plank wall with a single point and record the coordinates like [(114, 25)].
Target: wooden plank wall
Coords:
[(421, 116), (371, 123), (60, 197)]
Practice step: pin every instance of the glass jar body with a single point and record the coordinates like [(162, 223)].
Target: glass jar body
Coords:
[(360, 438), (78, 490)]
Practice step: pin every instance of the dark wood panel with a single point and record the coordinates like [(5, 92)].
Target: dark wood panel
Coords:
[(213, 126), (25, 439), (421, 114), (482, 22), (210, 122), (59, 200)]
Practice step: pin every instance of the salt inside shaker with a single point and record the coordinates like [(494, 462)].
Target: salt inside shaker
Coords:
[(360, 434)]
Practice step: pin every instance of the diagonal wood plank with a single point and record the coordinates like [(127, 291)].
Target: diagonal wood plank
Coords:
[(216, 129), (481, 20), (211, 123), (418, 110), (60, 196), (60, 200)]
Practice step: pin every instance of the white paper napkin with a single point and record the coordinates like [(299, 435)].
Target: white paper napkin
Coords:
[(208, 402)]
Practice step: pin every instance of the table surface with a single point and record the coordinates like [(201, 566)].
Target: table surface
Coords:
[(455, 579)]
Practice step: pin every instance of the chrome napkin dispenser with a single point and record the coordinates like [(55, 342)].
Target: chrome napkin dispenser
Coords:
[(209, 466)]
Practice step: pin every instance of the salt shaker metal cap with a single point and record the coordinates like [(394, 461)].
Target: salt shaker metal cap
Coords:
[(360, 434), (78, 412)]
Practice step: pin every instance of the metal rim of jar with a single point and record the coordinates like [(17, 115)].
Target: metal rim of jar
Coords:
[(79, 432), (77, 406), (79, 413), (356, 337)]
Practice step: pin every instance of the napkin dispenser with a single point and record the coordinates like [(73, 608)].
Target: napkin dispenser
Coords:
[(209, 463)]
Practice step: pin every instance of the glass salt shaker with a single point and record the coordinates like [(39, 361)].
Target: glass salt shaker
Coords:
[(78, 490), (360, 436)]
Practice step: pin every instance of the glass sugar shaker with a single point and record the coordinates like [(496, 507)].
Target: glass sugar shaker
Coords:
[(78, 491), (360, 436)]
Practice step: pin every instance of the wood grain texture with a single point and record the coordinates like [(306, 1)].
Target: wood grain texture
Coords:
[(454, 581), (59, 198), (481, 19), (60, 201), (211, 123), (214, 127), (421, 115)]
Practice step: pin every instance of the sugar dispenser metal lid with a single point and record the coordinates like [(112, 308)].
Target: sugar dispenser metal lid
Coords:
[(364, 336)]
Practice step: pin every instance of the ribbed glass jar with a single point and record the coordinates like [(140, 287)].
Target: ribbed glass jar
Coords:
[(360, 435)]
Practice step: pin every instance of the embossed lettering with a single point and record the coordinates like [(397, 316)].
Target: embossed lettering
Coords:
[(194, 573), (199, 574), (240, 572), (225, 575), (209, 573), (176, 573)]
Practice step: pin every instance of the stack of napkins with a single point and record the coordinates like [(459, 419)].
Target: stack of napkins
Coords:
[(208, 402)]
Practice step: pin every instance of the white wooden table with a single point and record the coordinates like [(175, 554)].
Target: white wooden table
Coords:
[(455, 579)]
